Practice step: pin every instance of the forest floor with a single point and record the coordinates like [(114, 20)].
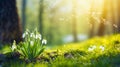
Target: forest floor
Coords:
[(96, 52)]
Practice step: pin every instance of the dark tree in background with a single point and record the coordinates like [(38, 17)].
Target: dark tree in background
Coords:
[(23, 18), (53, 30), (10, 28), (41, 10), (118, 16), (113, 21), (74, 25), (103, 19), (115, 13), (91, 20)]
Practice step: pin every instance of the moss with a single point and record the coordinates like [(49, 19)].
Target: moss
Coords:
[(78, 55)]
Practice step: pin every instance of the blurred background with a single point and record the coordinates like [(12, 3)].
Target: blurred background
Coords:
[(67, 21)]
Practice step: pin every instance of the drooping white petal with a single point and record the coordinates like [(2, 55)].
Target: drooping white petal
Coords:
[(102, 48), (44, 41), (94, 47), (90, 49), (23, 36), (31, 35), (14, 46), (26, 33), (38, 36), (31, 43)]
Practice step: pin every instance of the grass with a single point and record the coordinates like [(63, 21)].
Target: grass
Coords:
[(96, 52)]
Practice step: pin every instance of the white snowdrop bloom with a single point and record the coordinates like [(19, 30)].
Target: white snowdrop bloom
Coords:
[(90, 49), (102, 48), (14, 47), (38, 36), (94, 47), (31, 43), (23, 36), (26, 33), (44, 41), (31, 35)]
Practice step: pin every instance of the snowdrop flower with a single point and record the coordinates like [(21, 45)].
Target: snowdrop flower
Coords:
[(23, 36), (102, 48), (44, 41), (31, 35), (26, 33), (90, 49), (14, 46), (38, 36), (94, 47), (31, 43)]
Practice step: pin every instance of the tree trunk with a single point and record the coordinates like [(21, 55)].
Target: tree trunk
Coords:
[(118, 16), (10, 28), (23, 14), (53, 26), (41, 17), (74, 25), (92, 26), (112, 13), (103, 19), (101, 27), (91, 20)]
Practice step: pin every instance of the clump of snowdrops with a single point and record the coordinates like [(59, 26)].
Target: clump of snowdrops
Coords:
[(32, 46)]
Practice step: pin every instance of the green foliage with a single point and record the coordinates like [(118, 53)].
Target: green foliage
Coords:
[(32, 46), (96, 52)]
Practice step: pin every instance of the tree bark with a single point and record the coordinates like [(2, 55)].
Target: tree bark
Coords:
[(101, 27), (92, 26), (10, 27), (118, 16), (23, 14), (103, 19), (91, 20), (41, 10), (74, 25), (114, 29)]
